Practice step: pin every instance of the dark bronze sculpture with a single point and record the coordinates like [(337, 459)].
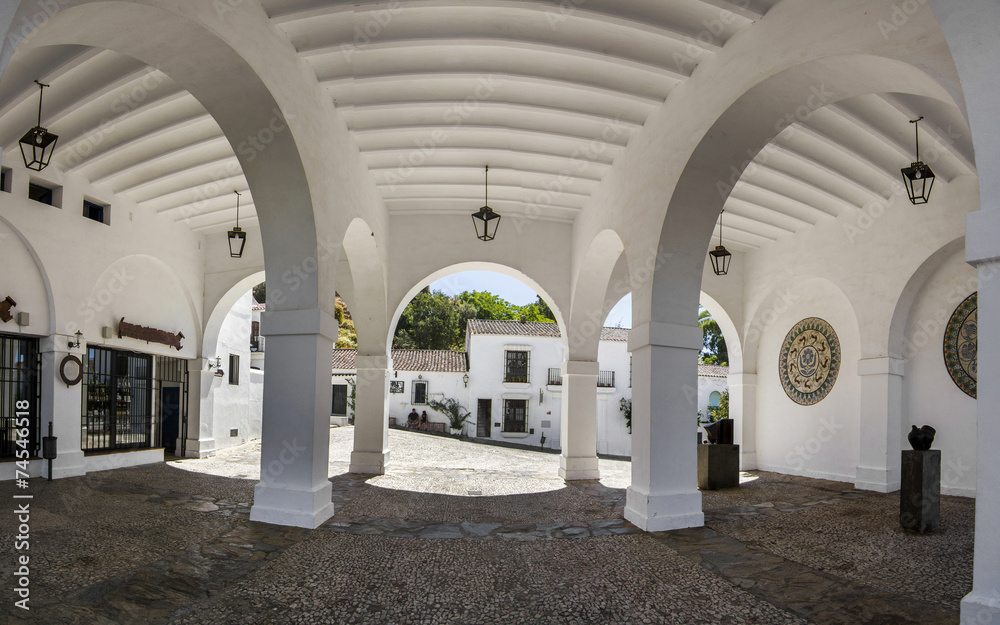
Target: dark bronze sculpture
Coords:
[(720, 432), (921, 439)]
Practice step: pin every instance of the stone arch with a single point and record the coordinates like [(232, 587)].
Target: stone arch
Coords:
[(178, 46), (730, 332), (50, 321), (471, 266), (216, 317), (588, 305)]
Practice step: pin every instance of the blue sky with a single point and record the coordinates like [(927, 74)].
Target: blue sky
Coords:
[(516, 292)]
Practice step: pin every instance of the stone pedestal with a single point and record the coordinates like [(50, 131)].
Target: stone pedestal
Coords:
[(718, 466), (920, 491)]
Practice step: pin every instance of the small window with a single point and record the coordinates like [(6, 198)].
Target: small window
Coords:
[(714, 399), (515, 415), (516, 366), (419, 392), (5, 179), (339, 400), (40, 193), (234, 368), (97, 212)]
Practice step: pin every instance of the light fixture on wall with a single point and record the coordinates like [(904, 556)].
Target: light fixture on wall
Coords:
[(622, 404), (78, 342), (720, 255), (38, 144), (216, 367), (541, 396), (465, 378), (918, 177), (486, 219), (237, 238)]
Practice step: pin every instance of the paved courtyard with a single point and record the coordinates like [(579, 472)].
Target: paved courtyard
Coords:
[(465, 533)]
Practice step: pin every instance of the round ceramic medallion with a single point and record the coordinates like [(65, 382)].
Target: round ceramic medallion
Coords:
[(810, 361), (960, 344)]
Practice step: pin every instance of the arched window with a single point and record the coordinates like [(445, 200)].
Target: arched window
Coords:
[(714, 398)]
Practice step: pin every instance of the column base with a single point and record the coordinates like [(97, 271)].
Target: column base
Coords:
[(659, 513), (580, 468), (877, 480), (977, 608), (369, 462), (296, 508), (66, 464), (204, 448)]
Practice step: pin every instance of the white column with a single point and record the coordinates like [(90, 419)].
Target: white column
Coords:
[(881, 424), (743, 412), (62, 406), (294, 488), (371, 416), (578, 425), (200, 442), (982, 249), (664, 493)]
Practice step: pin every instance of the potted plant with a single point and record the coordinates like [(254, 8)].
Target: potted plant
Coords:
[(451, 408)]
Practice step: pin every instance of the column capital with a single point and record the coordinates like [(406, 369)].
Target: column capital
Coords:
[(741, 379), (665, 335), (371, 361), (982, 237), (297, 322), (881, 366), (580, 367)]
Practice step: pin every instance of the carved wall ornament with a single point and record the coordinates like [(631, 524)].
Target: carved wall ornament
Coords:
[(150, 335), (961, 344), (5, 307), (810, 361)]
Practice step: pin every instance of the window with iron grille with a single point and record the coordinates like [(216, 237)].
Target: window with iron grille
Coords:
[(255, 336), (515, 415), (516, 367), (419, 394), (339, 400), (606, 379), (118, 401), (234, 368), (555, 376), (20, 369)]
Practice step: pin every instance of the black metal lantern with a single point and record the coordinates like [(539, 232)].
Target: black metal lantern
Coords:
[(486, 219), (720, 255), (237, 238), (918, 177), (38, 144)]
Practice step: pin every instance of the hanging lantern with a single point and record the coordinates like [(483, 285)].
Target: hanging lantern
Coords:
[(486, 219), (38, 144), (918, 177), (237, 238), (720, 255)]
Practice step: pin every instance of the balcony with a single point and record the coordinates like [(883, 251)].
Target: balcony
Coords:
[(606, 379), (555, 376), (257, 343), (515, 378)]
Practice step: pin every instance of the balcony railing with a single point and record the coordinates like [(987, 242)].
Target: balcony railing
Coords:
[(555, 376), (257, 343), (606, 379), (516, 377)]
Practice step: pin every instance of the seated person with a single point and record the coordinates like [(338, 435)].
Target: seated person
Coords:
[(423, 420), (412, 418)]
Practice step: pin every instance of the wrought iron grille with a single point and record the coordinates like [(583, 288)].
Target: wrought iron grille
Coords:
[(118, 401), (555, 376), (516, 368), (606, 379), (20, 379), (515, 415), (172, 371)]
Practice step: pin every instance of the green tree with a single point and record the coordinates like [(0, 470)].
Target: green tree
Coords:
[(347, 335), (717, 413), (488, 305), (429, 321), (713, 351), (451, 408), (260, 293)]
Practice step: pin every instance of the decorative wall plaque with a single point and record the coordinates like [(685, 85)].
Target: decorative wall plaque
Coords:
[(150, 335), (396, 386), (961, 344), (810, 361), (5, 307)]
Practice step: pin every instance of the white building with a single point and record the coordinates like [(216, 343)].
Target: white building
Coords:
[(615, 137)]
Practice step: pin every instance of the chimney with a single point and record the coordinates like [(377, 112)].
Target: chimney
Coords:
[(523, 319)]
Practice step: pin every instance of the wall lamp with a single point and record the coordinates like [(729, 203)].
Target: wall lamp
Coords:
[(79, 336), (465, 378)]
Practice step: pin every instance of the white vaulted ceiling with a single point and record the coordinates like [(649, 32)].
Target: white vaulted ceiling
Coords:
[(547, 93)]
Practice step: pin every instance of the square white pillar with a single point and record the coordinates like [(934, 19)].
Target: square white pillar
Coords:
[(664, 493), (199, 442), (578, 423), (294, 487), (743, 412), (371, 416), (881, 424), (62, 406)]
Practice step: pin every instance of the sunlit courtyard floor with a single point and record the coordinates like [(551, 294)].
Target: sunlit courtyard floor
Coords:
[(458, 532)]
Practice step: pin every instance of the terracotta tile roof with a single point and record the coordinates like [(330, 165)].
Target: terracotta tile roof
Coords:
[(410, 360), (614, 334), (712, 371), (513, 328)]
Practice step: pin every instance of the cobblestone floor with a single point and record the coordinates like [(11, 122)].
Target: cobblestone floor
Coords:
[(466, 533)]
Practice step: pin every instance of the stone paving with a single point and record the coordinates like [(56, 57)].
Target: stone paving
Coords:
[(466, 533)]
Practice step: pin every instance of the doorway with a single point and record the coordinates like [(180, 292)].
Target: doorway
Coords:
[(484, 416), (171, 411)]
